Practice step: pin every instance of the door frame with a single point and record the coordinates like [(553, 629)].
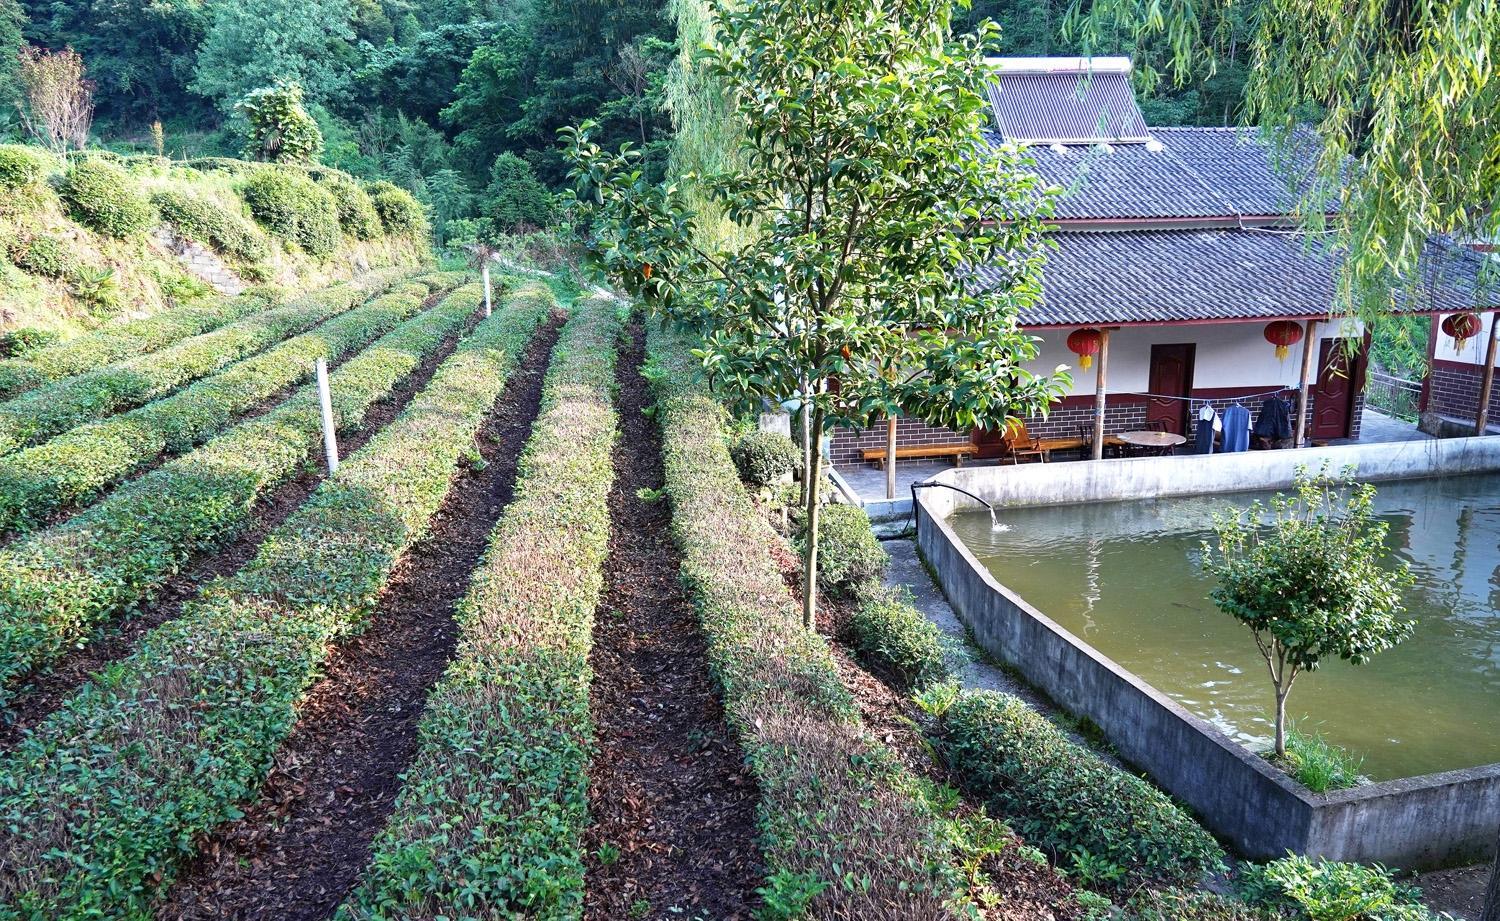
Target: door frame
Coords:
[(1190, 358), (1356, 370)]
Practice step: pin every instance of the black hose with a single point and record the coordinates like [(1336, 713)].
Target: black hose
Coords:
[(928, 484)]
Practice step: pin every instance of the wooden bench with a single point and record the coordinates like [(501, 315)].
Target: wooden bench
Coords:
[(916, 452)]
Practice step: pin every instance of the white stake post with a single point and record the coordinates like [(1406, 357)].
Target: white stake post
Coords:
[(485, 271), (325, 400)]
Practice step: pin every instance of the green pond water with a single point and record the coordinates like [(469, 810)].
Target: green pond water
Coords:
[(1127, 578)]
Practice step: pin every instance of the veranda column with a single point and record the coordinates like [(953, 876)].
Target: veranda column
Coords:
[(1100, 383), (1304, 388), (890, 457), (1487, 382)]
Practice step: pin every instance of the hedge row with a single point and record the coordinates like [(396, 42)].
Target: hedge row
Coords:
[(57, 584), (102, 802), (491, 813), (46, 411), (103, 197), (125, 340), (209, 223), (78, 464), (294, 208), (1108, 827), (844, 835)]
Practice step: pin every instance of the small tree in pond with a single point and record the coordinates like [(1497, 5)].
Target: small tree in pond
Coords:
[(884, 233), (1308, 577)]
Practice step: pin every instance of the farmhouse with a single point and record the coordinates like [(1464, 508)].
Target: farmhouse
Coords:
[(1179, 278)]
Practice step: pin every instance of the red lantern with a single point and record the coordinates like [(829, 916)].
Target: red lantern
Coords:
[(1283, 334), (1085, 344), (1462, 327)]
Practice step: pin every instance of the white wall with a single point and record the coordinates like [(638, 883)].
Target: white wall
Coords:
[(1227, 355), (1473, 351)]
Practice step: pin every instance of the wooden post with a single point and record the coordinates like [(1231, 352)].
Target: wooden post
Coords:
[(1487, 382), (1304, 387), (1100, 383), (890, 457), (484, 270)]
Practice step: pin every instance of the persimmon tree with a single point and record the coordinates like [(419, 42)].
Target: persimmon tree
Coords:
[(883, 232), (1308, 576)]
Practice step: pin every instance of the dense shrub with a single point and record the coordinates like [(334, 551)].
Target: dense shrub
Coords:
[(22, 169), (45, 255), (294, 208), (76, 465), (19, 343), (1188, 905), (493, 809), (280, 130), (850, 559), (47, 411), (356, 210), (226, 232), (897, 640), (1314, 889), (844, 834), (123, 340), (103, 197), (402, 214), (1110, 828), (104, 798), (765, 458)]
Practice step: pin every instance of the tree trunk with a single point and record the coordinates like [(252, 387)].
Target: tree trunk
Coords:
[(802, 435), (890, 458), (1280, 723), (1491, 911), (813, 475)]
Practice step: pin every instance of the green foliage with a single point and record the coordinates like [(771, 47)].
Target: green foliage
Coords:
[(23, 169), (294, 208), (1189, 905), (22, 342), (49, 410), (868, 845), (492, 811), (400, 213), (98, 290), (225, 678), (357, 214), (279, 128), (1314, 889), (1109, 828), (1308, 577), (120, 341), (894, 638), (226, 232), (515, 198), (1318, 764), (104, 198), (850, 559), (257, 43), (79, 464), (44, 254), (765, 458)]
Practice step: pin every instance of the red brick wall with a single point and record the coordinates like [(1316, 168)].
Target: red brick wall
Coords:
[(1453, 390)]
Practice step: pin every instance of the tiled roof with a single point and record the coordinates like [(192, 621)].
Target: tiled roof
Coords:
[(1066, 106), (1154, 276), (1182, 173)]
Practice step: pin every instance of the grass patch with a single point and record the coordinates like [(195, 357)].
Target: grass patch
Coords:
[(1318, 764)]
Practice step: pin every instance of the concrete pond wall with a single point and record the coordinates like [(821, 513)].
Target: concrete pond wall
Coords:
[(1423, 822)]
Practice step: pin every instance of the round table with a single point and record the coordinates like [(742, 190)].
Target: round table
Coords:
[(1164, 442)]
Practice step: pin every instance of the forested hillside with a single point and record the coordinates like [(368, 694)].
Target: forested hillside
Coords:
[(457, 101)]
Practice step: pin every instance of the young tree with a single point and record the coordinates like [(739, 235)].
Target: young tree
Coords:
[(256, 43), (279, 128), (59, 102), (883, 232), (1309, 580)]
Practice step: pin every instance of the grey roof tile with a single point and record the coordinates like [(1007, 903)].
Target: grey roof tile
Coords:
[(1066, 106)]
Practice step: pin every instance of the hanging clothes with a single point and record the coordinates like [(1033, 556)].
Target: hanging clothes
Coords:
[(1236, 429), (1208, 425), (1275, 419)]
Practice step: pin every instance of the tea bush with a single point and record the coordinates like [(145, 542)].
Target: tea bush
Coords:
[(23, 169), (850, 559), (402, 214), (1315, 889), (1187, 905), (1110, 829), (103, 197), (356, 210), (19, 343), (294, 208), (210, 224), (896, 639), (100, 807), (765, 458), (45, 255), (492, 811)]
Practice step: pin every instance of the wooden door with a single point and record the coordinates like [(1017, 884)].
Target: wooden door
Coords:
[(1169, 382), (1333, 393)]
